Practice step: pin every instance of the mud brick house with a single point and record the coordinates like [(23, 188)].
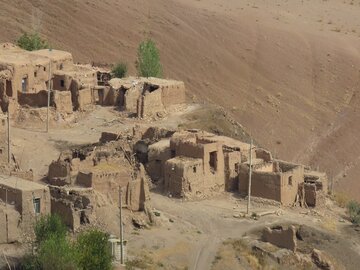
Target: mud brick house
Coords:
[(25, 78), (192, 163), (196, 162), (146, 97), (102, 169), (23, 202)]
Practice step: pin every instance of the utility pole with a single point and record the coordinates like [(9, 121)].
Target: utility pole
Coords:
[(8, 136), (48, 101), (121, 229), (250, 172)]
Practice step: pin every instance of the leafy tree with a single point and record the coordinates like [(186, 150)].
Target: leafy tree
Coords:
[(47, 226), (32, 42), (57, 254), (354, 212), (120, 70), (148, 62), (93, 251)]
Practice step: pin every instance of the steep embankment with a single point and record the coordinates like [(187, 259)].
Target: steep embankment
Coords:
[(287, 70)]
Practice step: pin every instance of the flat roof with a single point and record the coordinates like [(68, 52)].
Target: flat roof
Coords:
[(53, 54), (20, 184)]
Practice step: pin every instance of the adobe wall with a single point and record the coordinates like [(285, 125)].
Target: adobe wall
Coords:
[(131, 99), (84, 179), (158, 154), (66, 211), (173, 94), (59, 173), (310, 194), (232, 160), (263, 154), (39, 99), (220, 168), (138, 193), (84, 98), (149, 104), (27, 211), (281, 237), (61, 82), (9, 225), (263, 184), (186, 148), (109, 96), (62, 101), (290, 181), (3, 139)]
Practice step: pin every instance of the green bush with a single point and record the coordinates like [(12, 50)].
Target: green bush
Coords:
[(354, 212), (30, 262), (32, 42), (120, 70), (93, 251), (47, 226), (148, 61), (57, 254)]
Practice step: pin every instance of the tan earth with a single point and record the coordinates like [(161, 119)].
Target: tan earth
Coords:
[(287, 70)]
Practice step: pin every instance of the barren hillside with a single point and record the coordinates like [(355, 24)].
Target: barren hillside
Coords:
[(289, 71)]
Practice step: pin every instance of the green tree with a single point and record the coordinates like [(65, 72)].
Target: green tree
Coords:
[(57, 253), (32, 42), (47, 226), (120, 70), (93, 251), (148, 61)]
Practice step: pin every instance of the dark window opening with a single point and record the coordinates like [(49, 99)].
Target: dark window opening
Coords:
[(158, 161), (35, 74), (61, 66), (37, 205), (44, 68), (24, 84), (213, 161), (1, 151), (62, 83), (9, 91), (290, 181), (194, 169), (173, 153)]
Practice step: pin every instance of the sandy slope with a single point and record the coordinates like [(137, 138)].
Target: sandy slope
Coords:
[(287, 70)]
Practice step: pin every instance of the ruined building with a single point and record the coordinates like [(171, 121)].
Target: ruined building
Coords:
[(101, 168), (145, 97), (25, 78), (3, 138), (194, 163), (21, 203)]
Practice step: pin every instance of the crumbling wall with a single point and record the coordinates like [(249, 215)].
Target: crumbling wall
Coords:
[(109, 96), (263, 154), (59, 173), (281, 237), (310, 194), (66, 211), (131, 99), (232, 160), (39, 99), (158, 154), (62, 101), (149, 104), (173, 94), (84, 179), (84, 98)]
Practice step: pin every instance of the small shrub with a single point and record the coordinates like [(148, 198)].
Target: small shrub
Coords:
[(120, 70), (48, 226), (341, 199), (30, 262), (32, 42), (354, 212), (92, 251), (148, 62)]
